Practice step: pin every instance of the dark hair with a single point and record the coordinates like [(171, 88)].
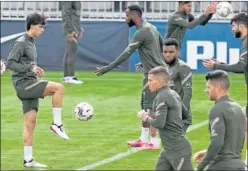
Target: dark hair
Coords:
[(184, 2), (171, 42), (219, 76), (241, 18), (35, 19), (135, 8), (160, 70)]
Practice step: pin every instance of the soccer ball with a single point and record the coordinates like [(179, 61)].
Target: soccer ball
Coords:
[(223, 9), (83, 111)]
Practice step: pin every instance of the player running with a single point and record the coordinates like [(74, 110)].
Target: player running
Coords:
[(226, 126), (149, 44), (22, 60), (166, 116)]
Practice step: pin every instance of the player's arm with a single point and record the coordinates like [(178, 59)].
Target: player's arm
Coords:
[(217, 130), (137, 40), (206, 20), (160, 114), (66, 16), (178, 20), (17, 51), (192, 18), (238, 67), (185, 76)]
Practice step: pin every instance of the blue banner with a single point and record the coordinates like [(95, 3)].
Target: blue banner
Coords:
[(101, 44), (214, 40)]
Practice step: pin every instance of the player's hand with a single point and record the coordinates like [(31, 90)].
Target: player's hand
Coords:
[(210, 9), (217, 62), (143, 115), (199, 156), (71, 36), (138, 67), (209, 63), (102, 70), (81, 33), (38, 71)]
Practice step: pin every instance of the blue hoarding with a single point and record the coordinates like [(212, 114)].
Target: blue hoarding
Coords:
[(215, 40)]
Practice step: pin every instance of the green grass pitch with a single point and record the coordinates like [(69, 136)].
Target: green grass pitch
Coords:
[(116, 100)]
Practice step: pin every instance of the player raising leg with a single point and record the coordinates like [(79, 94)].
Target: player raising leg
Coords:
[(22, 60)]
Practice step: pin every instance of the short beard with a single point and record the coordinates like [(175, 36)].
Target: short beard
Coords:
[(131, 23), (238, 34), (171, 62)]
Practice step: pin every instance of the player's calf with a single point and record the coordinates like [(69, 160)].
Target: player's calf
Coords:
[(57, 91), (29, 126)]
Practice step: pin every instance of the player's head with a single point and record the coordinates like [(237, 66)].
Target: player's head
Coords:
[(133, 14), (157, 78), (217, 84), (35, 24), (239, 25), (170, 50), (185, 6)]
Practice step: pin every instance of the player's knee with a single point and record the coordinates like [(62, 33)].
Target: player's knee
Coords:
[(30, 124), (60, 88), (53, 88), (30, 119), (29, 128)]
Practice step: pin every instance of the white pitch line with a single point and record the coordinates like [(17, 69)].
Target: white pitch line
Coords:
[(132, 151)]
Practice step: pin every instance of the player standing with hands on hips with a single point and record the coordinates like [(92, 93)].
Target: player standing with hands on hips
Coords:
[(22, 61), (71, 13)]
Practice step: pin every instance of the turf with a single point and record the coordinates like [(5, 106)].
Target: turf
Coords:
[(116, 100)]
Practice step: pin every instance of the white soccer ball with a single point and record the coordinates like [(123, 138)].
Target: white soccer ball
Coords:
[(83, 111), (3, 67), (223, 9)]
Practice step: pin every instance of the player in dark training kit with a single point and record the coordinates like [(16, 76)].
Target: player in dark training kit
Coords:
[(166, 116), (226, 125), (239, 28), (181, 20), (22, 60), (180, 78), (71, 11), (149, 44)]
